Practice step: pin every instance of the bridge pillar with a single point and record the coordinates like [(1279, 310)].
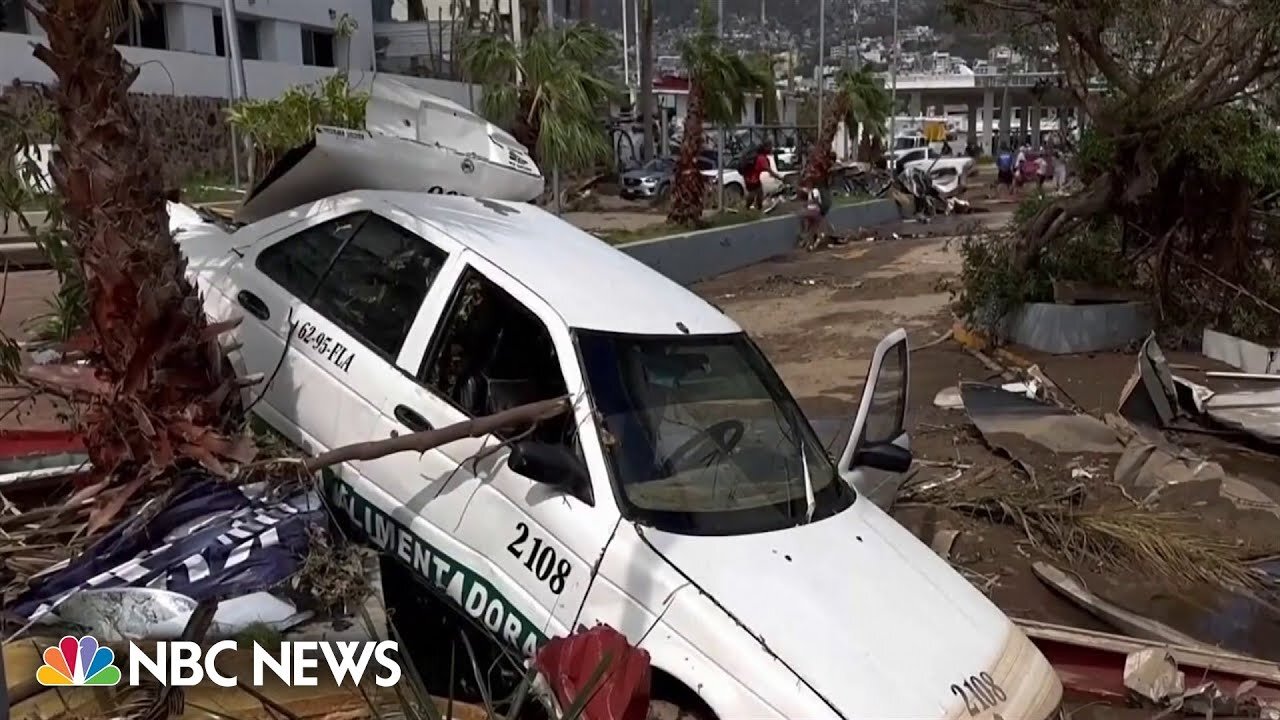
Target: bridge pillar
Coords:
[(1022, 123), (988, 121), (914, 102), (1035, 124), (971, 127)]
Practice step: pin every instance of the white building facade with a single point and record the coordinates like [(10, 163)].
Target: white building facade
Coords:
[(181, 50)]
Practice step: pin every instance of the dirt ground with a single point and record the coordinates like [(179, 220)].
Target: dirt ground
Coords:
[(818, 316)]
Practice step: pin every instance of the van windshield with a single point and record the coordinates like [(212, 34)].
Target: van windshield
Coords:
[(701, 436)]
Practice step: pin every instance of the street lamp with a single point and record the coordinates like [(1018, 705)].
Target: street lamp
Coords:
[(893, 81), (822, 64), (720, 142)]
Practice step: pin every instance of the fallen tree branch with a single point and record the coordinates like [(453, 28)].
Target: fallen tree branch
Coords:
[(420, 442), (1243, 291)]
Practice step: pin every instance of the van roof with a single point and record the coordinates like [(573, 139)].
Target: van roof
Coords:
[(589, 283)]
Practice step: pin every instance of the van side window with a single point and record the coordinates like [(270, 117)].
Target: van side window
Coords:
[(491, 354), (298, 262), (378, 282)]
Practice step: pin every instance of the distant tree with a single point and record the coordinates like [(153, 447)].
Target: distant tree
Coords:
[(1165, 85), (860, 97), (718, 82), (549, 89)]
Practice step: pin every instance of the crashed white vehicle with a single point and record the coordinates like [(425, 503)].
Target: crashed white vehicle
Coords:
[(686, 501)]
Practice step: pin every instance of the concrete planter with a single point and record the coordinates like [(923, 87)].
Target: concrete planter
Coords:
[(1240, 353), (690, 257), (1067, 329)]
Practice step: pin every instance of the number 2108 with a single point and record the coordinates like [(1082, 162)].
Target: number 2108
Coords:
[(541, 559)]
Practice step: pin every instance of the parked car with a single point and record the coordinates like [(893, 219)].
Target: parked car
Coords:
[(685, 500), (654, 179), (651, 180)]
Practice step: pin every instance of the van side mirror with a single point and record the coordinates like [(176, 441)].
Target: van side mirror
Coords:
[(553, 465), (883, 456)]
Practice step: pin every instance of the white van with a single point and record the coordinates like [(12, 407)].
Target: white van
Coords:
[(686, 501)]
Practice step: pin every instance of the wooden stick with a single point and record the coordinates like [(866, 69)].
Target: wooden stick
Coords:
[(420, 442)]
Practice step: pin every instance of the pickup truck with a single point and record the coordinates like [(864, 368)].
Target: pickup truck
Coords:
[(686, 500)]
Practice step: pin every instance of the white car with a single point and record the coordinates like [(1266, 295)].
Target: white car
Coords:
[(686, 501)]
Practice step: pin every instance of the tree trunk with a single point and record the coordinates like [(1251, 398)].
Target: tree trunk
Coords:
[(689, 187), (819, 164), (584, 10), (645, 95), (417, 11), (156, 389), (1054, 219), (530, 18)]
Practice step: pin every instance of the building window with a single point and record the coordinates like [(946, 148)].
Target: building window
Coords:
[(146, 29), (13, 18), (317, 48), (247, 30)]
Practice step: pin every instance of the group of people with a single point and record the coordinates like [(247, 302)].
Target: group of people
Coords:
[(815, 227), (1029, 166)]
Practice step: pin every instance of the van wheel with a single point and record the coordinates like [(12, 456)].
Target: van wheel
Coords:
[(666, 710)]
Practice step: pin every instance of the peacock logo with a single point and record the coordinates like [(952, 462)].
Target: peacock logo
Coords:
[(78, 661)]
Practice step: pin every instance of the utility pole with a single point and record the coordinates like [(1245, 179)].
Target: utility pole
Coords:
[(720, 143), (626, 58), (822, 66), (893, 80), (235, 68), (555, 171)]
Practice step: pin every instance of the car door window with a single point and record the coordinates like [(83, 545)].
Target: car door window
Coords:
[(377, 283), (888, 400), (298, 262), (491, 354)]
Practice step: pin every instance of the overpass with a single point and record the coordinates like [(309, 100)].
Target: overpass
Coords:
[(1029, 95)]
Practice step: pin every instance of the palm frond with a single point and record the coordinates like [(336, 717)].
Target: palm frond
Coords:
[(721, 74), (868, 101)]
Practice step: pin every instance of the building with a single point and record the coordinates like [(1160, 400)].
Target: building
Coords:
[(180, 47)]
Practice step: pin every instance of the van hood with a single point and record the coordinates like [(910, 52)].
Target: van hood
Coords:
[(869, 617)]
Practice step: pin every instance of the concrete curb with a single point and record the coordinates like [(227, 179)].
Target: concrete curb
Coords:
[(690, 257)]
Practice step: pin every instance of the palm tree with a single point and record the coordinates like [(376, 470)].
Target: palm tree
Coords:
[(645, 96), (556, 108), (860, 98), (718, 82), (155, 391)]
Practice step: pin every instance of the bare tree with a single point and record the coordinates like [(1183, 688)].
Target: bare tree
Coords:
[(1152, 77)]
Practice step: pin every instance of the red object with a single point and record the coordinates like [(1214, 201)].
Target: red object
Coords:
[(16, 444), (758, 169), (570, 663)]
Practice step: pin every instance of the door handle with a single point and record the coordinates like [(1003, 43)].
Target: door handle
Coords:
[(411, 419), (253, 304)]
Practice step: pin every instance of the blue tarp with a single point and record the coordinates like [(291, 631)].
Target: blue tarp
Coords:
[(210, 541)]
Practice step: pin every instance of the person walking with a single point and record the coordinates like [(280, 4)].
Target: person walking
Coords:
[(1004, 170), (761, 166)]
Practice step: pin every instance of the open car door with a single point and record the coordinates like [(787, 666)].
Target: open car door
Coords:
[(878, 453)]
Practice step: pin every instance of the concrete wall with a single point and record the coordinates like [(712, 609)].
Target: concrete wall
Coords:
[(690, 257)]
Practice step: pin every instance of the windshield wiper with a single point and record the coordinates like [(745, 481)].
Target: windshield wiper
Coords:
[(809, 500)]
